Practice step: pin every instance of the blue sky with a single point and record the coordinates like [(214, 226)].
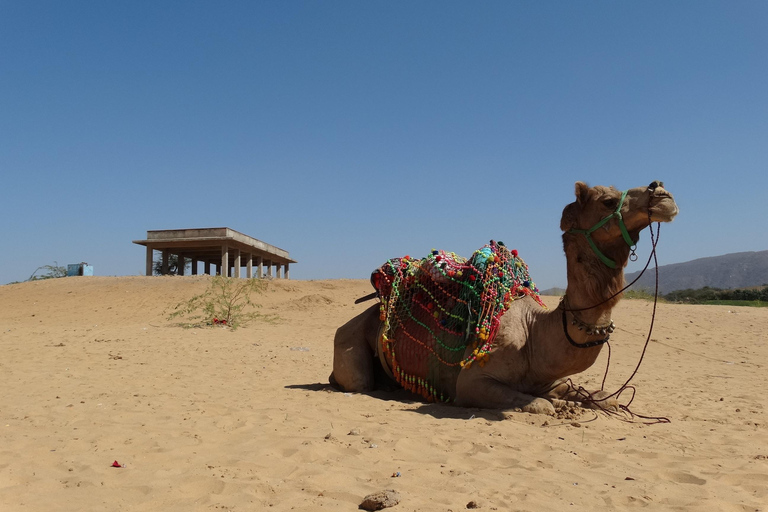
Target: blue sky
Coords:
[(350, 132)]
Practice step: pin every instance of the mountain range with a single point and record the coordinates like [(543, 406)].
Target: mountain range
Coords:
[(735, 270)]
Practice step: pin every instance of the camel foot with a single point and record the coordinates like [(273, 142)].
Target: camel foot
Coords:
[(600, 402), (561, 405), (539, 406)]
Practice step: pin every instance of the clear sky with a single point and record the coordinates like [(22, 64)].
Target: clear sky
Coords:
[(349, 132)]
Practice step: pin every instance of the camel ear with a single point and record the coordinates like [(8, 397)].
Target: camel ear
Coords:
[(571, 212), (582, 192)]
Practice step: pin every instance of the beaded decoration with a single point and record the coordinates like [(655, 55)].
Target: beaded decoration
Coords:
[(435, 307)]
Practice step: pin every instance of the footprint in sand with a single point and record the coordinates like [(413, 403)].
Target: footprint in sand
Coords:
[(685, 478)]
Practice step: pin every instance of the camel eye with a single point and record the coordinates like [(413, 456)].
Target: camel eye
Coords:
[(610, 203)]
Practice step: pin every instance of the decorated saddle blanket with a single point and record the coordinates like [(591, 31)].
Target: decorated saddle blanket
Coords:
[(436, 307)]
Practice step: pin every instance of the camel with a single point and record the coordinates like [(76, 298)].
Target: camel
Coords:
[(535, 350)]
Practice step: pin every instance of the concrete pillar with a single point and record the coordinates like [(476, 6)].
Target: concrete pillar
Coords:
[(259, 267), (238, 264), (286, 271), (182, 264), (278, 268), (164, 264), (207, 268), (268, 264), (224, 261), (150, 260), (248, 265), (194, 266)]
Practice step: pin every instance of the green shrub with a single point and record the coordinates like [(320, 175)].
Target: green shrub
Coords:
[(51, 272), (640, 294), (226, 302)]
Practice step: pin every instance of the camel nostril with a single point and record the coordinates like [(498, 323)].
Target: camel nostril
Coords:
[(655, 184)]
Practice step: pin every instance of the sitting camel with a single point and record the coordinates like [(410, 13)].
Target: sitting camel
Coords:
[(534, 350)]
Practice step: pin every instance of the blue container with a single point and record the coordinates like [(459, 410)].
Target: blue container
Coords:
[(79, 269)]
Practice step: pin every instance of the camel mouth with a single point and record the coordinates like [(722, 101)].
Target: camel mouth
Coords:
[(665, 209)]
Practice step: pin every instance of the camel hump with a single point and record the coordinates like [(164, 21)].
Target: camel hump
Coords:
[(436, 307)]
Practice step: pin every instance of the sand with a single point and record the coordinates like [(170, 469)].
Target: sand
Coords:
[(93, 372)]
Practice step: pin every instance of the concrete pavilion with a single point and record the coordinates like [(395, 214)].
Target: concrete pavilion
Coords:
[(224, 248)]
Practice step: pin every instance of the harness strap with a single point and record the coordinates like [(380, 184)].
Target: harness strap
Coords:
[(624, 233), (588, 344)]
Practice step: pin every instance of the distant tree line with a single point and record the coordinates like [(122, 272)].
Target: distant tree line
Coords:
[(708, 294)]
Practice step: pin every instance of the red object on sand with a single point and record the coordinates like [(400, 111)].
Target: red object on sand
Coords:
[(116, 465)]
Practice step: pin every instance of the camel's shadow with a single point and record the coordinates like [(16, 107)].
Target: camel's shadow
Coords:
[(436, 410)]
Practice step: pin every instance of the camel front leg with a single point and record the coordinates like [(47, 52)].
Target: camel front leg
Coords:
[(474, 389)]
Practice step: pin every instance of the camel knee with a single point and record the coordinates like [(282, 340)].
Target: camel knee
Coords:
[(348, 383), (355, 377), (332, 381), (353, 354), (352, 365)]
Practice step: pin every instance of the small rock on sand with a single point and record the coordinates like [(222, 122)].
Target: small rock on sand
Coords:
[(380, 500)]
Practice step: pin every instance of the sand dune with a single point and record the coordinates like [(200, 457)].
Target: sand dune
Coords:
[(92, 372)]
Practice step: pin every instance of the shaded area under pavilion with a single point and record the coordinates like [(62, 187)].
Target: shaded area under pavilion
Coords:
[(224, 250)]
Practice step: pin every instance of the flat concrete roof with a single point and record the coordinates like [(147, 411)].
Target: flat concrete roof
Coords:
[(204, 244)]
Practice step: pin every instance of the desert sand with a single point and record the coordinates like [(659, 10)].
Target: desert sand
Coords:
[(92, 371)]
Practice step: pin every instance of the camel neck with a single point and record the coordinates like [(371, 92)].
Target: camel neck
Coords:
[(593, 290), (586, 312), (589, 298)]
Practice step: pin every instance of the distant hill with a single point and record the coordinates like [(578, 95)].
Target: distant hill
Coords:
[(736, 270), (553, 292)]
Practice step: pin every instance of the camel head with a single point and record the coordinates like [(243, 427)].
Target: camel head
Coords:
[(609, 221)]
